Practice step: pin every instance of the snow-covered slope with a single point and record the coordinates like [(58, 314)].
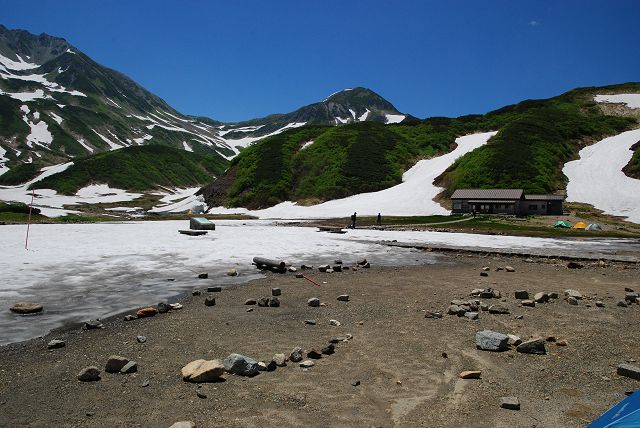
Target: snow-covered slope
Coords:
[(414, 196), (597, 177), (631, 100)]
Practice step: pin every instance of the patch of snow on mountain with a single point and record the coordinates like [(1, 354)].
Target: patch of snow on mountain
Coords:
[(597, 178), (336, 92), (244, 142), (307, 144), (3, 160), (39, 129), (178, 200), (243, 129), (414, 196), (56, 117), (140, 141), (16, 65), (353, 113), (341, 120), (84, 144), (364, 116), (113, 102), (394, 118), (70, 51), (112, 145), (631, 100), (27, 96), (187, 147)]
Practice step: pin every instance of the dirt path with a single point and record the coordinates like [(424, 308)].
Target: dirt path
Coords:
[(396, 354)]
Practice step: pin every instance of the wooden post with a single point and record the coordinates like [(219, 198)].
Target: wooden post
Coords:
[(26, 241)]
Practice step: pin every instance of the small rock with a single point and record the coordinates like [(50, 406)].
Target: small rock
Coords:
[(488, 340), (274, 302), (130, 317), (240, 365), (313, 302), (276, 292), (498, 309), (201, 394), (203, 275), (574, 265), (631, 296), (509, 269), (262, 366), (533, 346), (310, 322), (214, 289), (522, 294), (453, 310), (361, 261), (249, 310), (130, 367), (250, 302), (163, 308), (329, 349), (89, 374), (175, 306), (25, 308), (343, 298), (484, 274), (511, 403), (551, 339), (337, 268), (355, 383), (210, 301), (202, 371), (56, 344), (115, 363), (307, 364), (572, 301), (292, 269), (486, 268), (314, 354), (519, 317), (430, 314), (324, 268), (600, 304), (541, 297), (484, 306), (562, 342), (306, 267), (622, 304), (514, 340), (232, 272), (554, 295), (92, 325), (337, 261), (299, 275), (573, 293), (627, 370), (335, 323), (470, 374), (271, 366), (141, 339), (196, 292), (471, 315), (280, 360), (296, 355), (367, 265), (263, 302), (145, 383), (146, 312), (183, 424)]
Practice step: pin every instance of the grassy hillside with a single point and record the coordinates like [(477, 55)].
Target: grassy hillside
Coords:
[(137, 168), (535, 139)]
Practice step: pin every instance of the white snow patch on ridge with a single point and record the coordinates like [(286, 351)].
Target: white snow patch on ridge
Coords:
[(246, 141), (597, 177), (39, 130), (631, 100), (111, 144), (27, 96), (364, 116), (16, 65), (187, 147), (3, 161), (394, 118), (414, 196)]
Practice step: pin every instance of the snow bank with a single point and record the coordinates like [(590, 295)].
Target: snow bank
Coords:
[(178, 200), (394, 118), (364, 116), (3, 161), (414, 196), (631, 100), (597, 178), (16, 65), (247, 141)]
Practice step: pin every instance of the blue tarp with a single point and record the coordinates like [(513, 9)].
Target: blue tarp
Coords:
[(625, 414)]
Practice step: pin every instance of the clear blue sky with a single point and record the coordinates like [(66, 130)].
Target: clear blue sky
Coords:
[(234, 60)]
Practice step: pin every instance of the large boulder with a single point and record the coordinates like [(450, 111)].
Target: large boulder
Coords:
[(24, 308), (241, 365), (115, 363), (202, 371), (488, 340)]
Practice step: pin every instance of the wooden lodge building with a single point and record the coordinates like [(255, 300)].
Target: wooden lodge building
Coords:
[(505, 201)]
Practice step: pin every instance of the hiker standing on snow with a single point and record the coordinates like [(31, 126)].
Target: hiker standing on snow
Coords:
[(353, 220), (379, 221)]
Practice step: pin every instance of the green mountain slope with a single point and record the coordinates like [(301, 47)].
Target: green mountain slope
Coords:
[(137, 168), (535, 138)]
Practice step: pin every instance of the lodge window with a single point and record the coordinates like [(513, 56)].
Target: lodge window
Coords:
[(457, 205)]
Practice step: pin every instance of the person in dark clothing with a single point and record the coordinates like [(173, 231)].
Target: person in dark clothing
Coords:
[(353, 220), (473, 211), (379, 220)]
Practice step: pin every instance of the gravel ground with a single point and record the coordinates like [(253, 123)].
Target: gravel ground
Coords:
[(396, 353)]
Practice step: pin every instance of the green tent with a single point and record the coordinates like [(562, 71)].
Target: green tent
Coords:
[(563, 224)]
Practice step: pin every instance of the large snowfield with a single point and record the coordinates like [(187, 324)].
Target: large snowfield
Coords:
[(84, 271)]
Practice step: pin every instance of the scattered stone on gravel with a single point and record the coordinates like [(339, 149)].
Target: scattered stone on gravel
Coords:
[(292, 269), (274, 302), (183, 424), (522, 294), (145, 383), (263, 302), (600, 304), (276, 291), (488, 340), (361, 261), (343, 298), (92, 325), (175, 306), (573, 293), (470, 374), (498, 309), (202, 371), (533, 346), (89, 374), (622, 304), (574, 265), (484, 306), (296, 355), (306, 267), (56, 344), (210, 301), (431, 314), (631, 296), (486, 268), (561, 342), (313, 353), (514, 340), (115, 363), (541, 297), (240, 365), (280, 360), (471, 315), (628, 370), (249, 310), (141, 339), (130, 317), (484, 274), (337, 268), (307, 363), (271, 366), (25, 308), (299, 275), (329, 349), (232, 272), (453, 310), (250, 302), (203, 275), (310, 322), (163, 308), (554, 295), (146, 312), (313, 302), (367, 265), (196, 292), (324, 268), (335, 323), (509, 269), (355, 383), (201, 394), (529, 303), (130, 367), (551, 339), (214, 289), (510, 403), (572, 301), (262, 366)]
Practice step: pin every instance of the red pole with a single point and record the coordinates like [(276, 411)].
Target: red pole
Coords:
[(26, 241), (311, 280)]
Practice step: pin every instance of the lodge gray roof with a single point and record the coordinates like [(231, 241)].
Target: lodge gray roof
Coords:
[(544, 197), (496, 194)]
